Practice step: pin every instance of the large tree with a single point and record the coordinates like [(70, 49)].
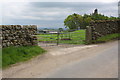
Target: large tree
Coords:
[(73, 21), (76, 21)]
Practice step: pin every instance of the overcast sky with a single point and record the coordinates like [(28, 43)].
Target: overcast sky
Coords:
[(51, 14)]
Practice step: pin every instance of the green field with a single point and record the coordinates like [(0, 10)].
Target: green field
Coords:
[(76, 37), (12, 55)]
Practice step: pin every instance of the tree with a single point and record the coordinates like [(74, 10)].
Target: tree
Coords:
[(60, 29), (45, 28), (86, 22), (99, 17), (73, 21), (76, 21)]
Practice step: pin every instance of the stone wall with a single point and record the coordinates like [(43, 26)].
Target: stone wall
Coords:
[(101, 28), (18, 35)]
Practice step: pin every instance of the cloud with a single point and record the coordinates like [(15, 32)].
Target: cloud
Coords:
[(51, 14), (105, 1)]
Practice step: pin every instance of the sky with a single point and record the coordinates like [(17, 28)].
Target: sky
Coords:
[(51, 14)]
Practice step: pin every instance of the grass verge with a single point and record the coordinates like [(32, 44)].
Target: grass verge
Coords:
[(12, 55), (108, 37), (0, 58)]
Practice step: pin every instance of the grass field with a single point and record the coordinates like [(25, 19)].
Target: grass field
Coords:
[(12, 55), (76, 37)]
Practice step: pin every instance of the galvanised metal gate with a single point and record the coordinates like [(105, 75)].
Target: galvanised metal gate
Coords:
[(65, 37)]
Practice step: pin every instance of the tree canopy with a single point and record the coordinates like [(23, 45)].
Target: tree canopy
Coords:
[(76, 21), (60, 29)]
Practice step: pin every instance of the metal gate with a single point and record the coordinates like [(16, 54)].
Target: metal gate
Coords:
[(65, 37)]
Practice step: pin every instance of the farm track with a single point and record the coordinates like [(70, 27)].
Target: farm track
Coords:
[(55, 58)]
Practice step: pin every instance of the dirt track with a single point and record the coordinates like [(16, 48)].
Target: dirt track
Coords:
[(56, 57)]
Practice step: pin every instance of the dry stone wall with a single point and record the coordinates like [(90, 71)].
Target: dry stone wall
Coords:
[(101, 28), (18, 35)]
